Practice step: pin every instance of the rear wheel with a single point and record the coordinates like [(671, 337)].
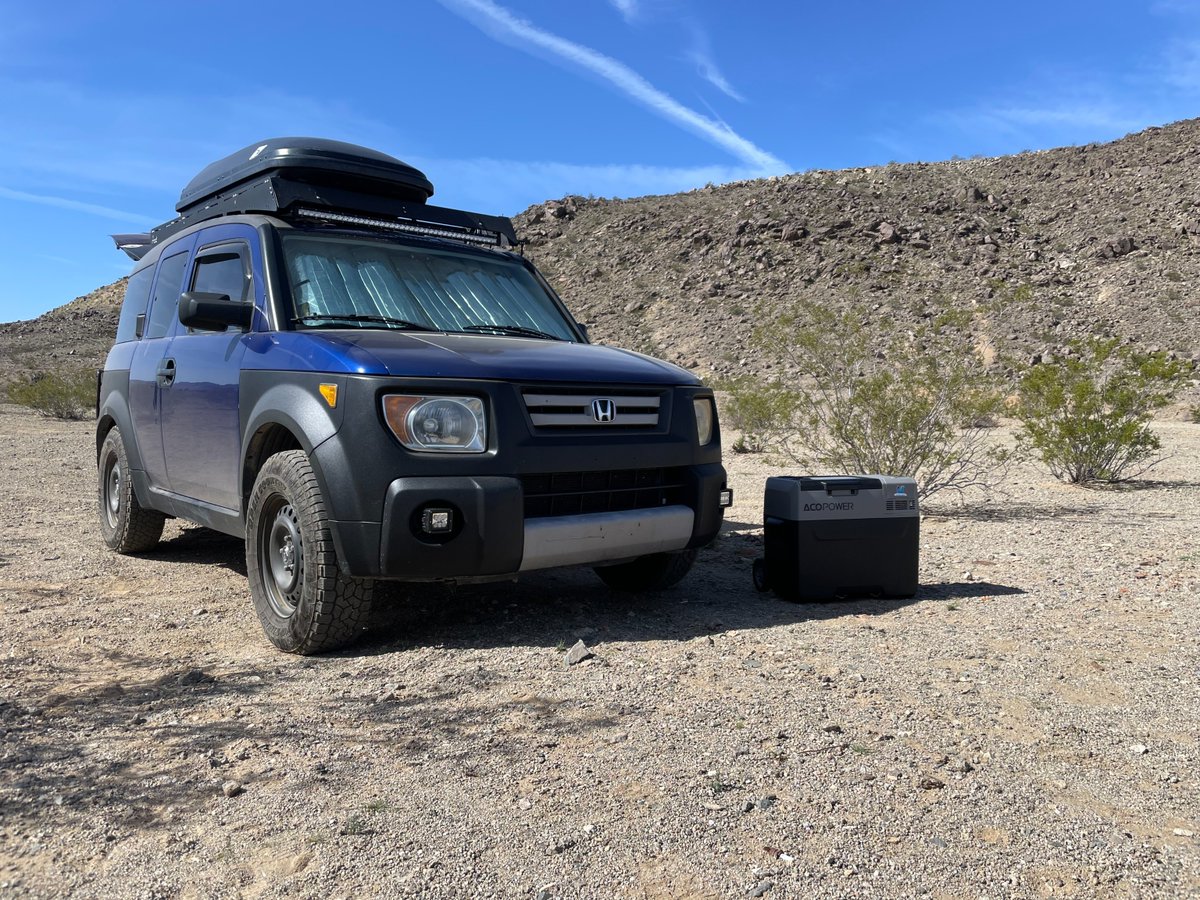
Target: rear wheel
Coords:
[(656, 572), (305, 604), (126, 526)]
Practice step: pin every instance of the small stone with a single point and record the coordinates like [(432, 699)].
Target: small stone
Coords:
[(578, 653), (524, 803), (564, 845), (232, 788), (1183, 832), (195, 676), (748, 806), (761, 888), (767, 802), (1139, 749), (929, 783), (832, 729)]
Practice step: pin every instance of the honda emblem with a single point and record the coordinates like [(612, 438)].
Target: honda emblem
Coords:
[(604, 410)]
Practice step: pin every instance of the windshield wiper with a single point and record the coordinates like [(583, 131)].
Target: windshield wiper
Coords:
[(356, 317), (515, 330)]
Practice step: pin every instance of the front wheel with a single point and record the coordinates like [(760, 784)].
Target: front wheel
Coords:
[(127, 527), (306, 605), (655, 572)]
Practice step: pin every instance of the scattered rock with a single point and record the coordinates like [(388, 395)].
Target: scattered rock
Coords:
[(1118, 246), (761, 888), (578, 653), (194, 676), (232, 788)]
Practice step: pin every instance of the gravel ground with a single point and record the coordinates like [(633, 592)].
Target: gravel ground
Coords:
[(1026, 726)]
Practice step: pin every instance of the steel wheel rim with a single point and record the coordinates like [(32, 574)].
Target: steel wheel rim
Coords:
[(112, 491), (281, 557)]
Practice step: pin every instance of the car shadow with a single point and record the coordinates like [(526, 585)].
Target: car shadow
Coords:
[(201, 546), (558, 606), (554, 609)]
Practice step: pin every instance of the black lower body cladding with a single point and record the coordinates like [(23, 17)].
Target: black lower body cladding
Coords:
[(485, 536), (488, 531)]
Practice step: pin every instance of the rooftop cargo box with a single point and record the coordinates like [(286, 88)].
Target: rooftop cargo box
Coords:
[(310, 160), (315, 180)]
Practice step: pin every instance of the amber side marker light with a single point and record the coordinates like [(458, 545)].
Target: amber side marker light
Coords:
[(329, 392)]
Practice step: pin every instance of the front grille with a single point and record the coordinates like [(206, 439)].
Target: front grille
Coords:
[(575, 493), (593, 410), (899, 504)]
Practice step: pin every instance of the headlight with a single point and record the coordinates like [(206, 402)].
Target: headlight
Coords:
[(704, 418), (439, 424)]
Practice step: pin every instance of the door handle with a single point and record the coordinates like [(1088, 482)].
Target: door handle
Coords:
[(166, 372)]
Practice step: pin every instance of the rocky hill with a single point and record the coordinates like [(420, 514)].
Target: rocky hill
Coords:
[(1032, 250), (1020, 254)]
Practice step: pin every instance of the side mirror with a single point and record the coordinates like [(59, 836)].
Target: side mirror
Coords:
[(587, 337), (213, 312)]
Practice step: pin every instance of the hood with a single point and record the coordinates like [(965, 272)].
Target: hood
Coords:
[(475, 356)]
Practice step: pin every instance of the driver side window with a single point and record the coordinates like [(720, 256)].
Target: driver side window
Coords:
[(223, 270)]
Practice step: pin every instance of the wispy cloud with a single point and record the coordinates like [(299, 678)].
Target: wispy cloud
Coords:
[(701, 55), (77, 206), (501, 24), (629, 9)]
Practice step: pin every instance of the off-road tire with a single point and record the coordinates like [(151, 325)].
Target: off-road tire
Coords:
[(309, 607), (655, 572), (125, 525)]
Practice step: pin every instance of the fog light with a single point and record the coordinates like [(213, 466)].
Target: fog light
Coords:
[(725, 498), (437, 521)]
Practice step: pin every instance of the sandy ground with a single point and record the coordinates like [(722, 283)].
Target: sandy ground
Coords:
[(1026, 726)]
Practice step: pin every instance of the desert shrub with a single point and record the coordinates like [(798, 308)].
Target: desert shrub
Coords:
[(1087, 415), (909, 404), (758, 409), (63, 395)]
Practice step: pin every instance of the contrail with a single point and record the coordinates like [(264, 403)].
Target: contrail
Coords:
[(501, 24)]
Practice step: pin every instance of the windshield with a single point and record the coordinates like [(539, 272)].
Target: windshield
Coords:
[(344, 282)]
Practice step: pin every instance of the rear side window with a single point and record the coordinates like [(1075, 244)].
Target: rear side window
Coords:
[(166, 295), (222, 270), (137, 297)]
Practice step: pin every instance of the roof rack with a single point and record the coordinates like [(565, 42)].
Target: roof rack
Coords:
[(310, 179)]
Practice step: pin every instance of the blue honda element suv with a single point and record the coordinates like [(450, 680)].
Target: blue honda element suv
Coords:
[(365, 386)]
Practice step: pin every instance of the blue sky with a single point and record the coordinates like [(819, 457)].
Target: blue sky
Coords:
[(108, 110)]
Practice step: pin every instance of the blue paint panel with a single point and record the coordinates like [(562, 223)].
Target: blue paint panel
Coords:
[(490, 357), (200, 422), (145, 394)]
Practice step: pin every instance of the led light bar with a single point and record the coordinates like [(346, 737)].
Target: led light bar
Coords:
[(487, 239)]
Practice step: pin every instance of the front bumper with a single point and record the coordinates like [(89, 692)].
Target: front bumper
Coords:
[(491, 536)]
